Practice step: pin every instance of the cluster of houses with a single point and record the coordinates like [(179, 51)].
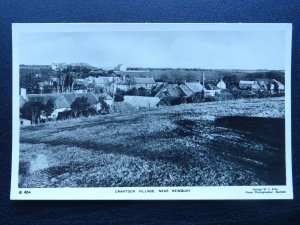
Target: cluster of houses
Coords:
[(162, 94)]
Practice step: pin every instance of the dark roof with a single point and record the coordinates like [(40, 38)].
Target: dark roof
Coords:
[(211, 87), (70, 97), (63, 100), (170, 90), (91, 97), (158, 87), (58, 100)]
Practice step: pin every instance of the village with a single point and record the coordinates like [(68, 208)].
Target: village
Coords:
[(65, 91)]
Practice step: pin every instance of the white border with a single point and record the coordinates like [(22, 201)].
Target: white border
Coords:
[(149, 193)]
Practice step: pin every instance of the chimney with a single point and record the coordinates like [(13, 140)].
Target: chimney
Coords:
[(203, 78), (123, 77)]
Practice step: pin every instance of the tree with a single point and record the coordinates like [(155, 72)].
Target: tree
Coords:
[(32, 111), (119, 96), (142, 91), (132, 91), (49, 108), (80, 105)]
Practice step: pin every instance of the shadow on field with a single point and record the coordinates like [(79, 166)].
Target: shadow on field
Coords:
[(270, 161), (269, 130)]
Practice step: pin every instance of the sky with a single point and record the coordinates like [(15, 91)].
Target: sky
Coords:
[(248, 50)]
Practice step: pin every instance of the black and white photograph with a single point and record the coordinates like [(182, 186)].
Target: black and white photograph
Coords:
[(151, 111)]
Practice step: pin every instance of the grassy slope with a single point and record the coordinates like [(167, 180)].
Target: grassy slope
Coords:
[(168, 146)]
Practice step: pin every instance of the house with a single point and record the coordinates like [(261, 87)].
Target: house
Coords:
[(279, 85), (63, 101), (211, 90), (124, 85), (172, 94), (109, 84), (144, 102), (221, 84), (145, 82), (92, 99), (247, 84), (191, 88), (59, 101)]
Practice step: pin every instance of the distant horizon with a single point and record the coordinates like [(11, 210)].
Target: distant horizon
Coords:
[(140, 67), (241, 50)]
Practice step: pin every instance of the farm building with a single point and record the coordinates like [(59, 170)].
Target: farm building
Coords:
[(145, 82), (144, 102)]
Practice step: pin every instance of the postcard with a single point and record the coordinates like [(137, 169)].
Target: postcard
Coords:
[(151, 111)]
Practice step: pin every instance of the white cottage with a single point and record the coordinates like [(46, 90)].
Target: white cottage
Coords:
[(221, 84)]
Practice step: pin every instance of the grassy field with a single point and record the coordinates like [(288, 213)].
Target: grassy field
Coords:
[(184, 145)]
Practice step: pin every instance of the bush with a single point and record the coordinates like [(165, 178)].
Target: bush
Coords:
[(67, 114), (79, 105)]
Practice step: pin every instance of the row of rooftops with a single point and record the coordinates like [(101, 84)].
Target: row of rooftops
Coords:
[(62, 100)]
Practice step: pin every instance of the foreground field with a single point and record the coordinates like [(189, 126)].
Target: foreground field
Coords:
[(185, 145)]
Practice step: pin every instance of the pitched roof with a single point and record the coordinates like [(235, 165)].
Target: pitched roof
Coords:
[(144, 80), (141, 101), (170, 90), (70, 97), (158, 87), (191, 88), (63, 100), (58, 100), (92, 98), (211, 87), (278, 82)]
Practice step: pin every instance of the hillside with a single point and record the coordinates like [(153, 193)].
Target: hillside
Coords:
[(184, 145)]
